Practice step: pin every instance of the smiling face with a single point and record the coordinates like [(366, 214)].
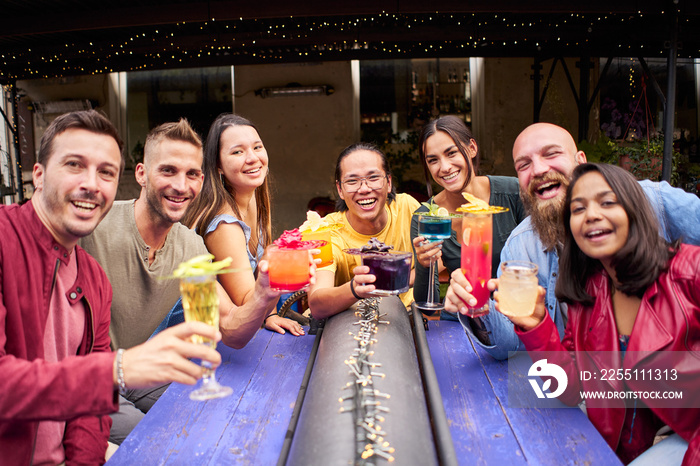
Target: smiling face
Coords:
[(544, 156), (599, 223), (170, 179), (446, 163), (77, 187), (366, 211), (242, 158)]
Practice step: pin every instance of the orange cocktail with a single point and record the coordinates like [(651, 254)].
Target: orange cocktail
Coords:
[(316, 228), (323, 234), (288, 268)]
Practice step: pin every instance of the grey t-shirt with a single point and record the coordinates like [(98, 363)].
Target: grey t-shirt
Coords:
[(142, 298)]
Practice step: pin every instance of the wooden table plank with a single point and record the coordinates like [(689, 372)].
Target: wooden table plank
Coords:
[(178, 430), (480, 431), (553, 436), (258, 431)]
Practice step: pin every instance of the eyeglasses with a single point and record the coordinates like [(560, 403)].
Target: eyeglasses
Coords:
[(352, 185)]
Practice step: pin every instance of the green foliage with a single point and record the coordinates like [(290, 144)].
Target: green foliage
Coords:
[(644, 158), (432, 208), (602, 151)]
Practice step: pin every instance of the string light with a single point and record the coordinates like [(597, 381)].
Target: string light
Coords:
[(249, 41)]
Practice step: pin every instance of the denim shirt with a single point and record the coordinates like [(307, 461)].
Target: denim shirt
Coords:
[(678, 214)]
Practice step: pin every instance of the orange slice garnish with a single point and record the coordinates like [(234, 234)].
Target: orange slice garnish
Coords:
[(477, 206)]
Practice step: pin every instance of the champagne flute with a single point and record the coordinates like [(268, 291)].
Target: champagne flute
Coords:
[(201, 303)]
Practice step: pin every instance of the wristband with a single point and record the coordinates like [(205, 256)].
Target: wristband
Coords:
[(268, 316), (121, 383), (352, 288)]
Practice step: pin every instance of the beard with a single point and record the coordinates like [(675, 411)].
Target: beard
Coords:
[(546, 215), (157, 210)]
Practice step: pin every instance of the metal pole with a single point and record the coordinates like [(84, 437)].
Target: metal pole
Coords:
[(536, 76), (18, 163), (669, 114), (583, 108)]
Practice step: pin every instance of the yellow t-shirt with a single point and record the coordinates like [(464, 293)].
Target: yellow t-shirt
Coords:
[(396, 232)]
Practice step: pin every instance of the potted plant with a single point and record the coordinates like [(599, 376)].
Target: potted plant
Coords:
[(644, 158)]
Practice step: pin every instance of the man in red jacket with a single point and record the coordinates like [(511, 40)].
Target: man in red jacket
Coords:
[(58, 377)]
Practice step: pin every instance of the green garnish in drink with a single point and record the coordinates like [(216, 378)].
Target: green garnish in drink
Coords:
[(435, 210), (202, 265)]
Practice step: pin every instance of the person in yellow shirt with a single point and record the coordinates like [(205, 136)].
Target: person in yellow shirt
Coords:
[(368, 208)]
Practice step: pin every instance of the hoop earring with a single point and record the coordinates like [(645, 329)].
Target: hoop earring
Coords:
[(223, 180)]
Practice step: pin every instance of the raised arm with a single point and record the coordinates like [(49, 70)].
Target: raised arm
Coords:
[(326, 299), (238, 324), (228, 240)]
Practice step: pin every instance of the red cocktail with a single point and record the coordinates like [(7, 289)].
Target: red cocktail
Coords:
[(289, 261), (477, 233)]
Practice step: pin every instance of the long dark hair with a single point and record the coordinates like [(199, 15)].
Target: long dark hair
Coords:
[(640, 261), (216, 193), (460, 134), (340, 204)]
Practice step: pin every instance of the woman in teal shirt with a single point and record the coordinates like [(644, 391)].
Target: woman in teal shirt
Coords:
[(450, 155)]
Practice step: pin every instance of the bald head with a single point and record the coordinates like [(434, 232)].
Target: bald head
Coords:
[(543, 148), (536, 133)]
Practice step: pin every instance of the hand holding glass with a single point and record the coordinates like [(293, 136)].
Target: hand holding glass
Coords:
[(201, 303), (517, 288), (433, 228)]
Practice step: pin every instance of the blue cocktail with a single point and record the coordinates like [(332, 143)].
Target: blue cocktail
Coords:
[(433, 228)]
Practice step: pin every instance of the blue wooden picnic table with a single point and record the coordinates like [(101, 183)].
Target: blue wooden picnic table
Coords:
[(250, 426), (485, 429)]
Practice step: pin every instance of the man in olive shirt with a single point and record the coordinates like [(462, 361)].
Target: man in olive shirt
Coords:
[(140, 242)]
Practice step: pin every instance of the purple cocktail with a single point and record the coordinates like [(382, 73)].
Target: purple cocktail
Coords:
[(392, 271)]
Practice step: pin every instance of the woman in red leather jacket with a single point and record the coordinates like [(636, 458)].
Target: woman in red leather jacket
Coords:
[(634, 307)]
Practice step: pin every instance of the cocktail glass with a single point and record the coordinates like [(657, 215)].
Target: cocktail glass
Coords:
[(322, 234), (391, 269), (477, 233), (289, 267), (201, 304), (517, 288), (433, 228)]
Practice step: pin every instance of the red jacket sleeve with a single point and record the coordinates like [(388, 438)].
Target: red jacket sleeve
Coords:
[(545, 338)]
